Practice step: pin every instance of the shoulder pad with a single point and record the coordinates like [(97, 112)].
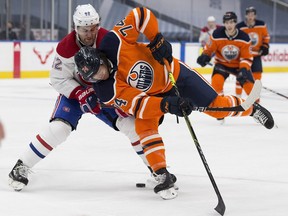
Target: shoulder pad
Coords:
[(67, 47), (241, 25), (243, 36), (205, 29), (219, 33), (101, 33), (259, 23), (110, 45)]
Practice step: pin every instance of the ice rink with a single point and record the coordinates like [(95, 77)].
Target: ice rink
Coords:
[(95, 171)]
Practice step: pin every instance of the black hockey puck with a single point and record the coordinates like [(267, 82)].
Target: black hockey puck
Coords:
[(140, 185)]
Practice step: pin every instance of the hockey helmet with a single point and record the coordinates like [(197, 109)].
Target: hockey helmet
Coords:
[(85, 15), (211, 19), (88, 62), (250, 9), (230, 16)]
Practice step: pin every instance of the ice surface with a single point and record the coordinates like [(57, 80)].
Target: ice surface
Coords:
[(95, 171)]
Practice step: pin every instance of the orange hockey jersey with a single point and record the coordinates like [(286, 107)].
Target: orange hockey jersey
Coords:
[(234, 52), (138, 77), (258, 34)]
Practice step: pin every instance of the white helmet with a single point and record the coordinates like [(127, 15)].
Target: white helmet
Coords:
[(85, 15), (211, 19)]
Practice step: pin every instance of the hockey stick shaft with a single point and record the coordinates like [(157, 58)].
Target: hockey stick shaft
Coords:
[(275, 92), (220, 208), (199, 109)]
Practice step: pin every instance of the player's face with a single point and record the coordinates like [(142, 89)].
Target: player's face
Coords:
[(87, 34), (211, 24), (250, 17), (230, 26), (102, 74)]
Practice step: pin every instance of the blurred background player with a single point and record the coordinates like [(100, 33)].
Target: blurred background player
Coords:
[(232, 53), (137, 82), (260, 38), (76, 97), (207, 30)]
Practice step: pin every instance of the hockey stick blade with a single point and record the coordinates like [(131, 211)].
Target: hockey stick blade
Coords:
[(252, 97), (220, 208)]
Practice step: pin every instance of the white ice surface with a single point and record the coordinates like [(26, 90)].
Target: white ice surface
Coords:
[(94, 172)]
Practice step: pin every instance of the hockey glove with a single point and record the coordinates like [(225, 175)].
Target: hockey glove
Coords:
[(203, 60), (175, 105), (88, 100), (160, 49), (244, 75), (264, 49)]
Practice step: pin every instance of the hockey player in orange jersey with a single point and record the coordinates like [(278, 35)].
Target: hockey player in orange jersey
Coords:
[(260, 38), (232, 52), (137, 82)]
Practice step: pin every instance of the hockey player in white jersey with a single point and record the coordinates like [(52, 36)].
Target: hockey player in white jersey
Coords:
[(76, 97)]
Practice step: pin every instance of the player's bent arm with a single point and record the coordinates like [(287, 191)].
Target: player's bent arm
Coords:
[(210, 47), (139, 20), (246, 57), (266, 36), (62, 75)]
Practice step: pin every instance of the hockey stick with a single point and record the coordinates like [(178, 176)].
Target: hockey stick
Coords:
[(266, 88), (220, 208), (271, 90), (252, 97)]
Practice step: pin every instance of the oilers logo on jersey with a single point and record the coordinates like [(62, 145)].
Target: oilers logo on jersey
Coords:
[(254, 38), (230, 52), (141, 76)]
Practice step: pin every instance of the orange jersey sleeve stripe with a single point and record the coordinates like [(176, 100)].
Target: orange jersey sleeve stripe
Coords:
[(135, 101), (145, 22)]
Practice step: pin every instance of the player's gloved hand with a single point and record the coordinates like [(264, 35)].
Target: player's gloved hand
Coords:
[(88, 100), (264, 49), (160, 49), (203, 60), (244, 75), (175, 105)]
